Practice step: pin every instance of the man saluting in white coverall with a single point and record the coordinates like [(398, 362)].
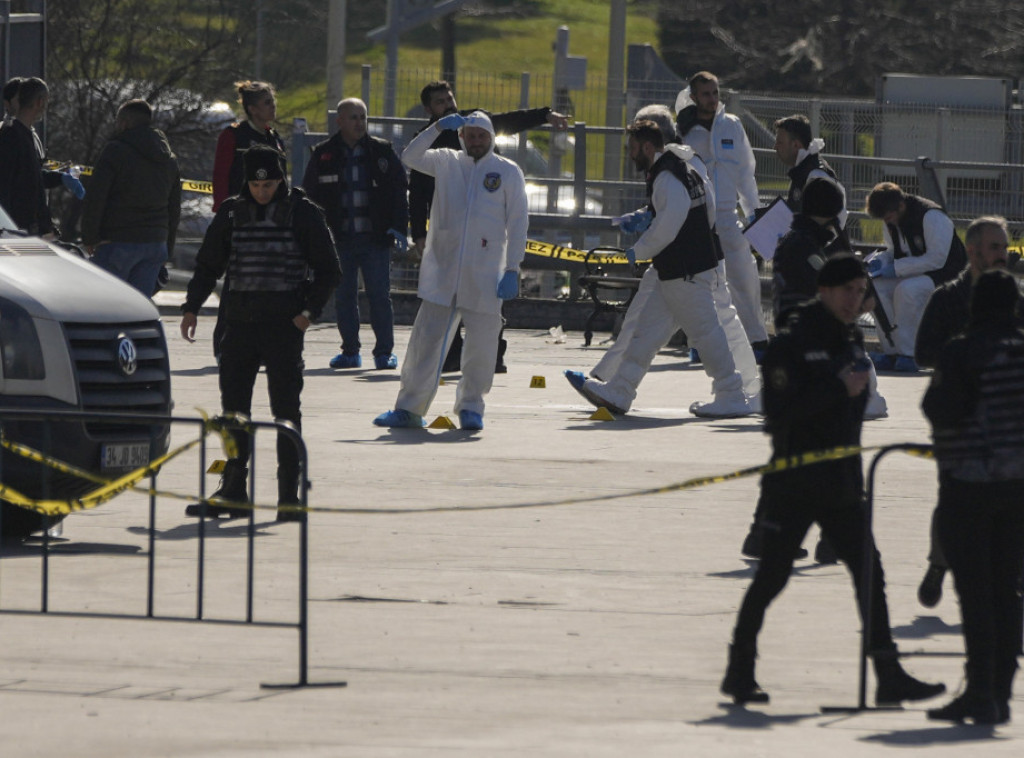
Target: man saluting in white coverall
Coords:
[(475, 243)]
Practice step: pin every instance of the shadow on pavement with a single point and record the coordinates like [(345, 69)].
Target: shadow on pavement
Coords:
[(739, 717), (939, 735)]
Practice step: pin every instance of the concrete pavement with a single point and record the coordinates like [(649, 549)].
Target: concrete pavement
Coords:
[(595, 629)]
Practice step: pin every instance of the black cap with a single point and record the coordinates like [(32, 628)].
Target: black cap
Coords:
[(821, 197), (262, 162), (840, 269)]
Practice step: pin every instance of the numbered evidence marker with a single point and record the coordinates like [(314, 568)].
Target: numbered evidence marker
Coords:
[(538, 383)]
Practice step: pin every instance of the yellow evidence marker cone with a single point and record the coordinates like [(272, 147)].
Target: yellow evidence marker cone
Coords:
[(538, 383), (441, 422), (602, 414)]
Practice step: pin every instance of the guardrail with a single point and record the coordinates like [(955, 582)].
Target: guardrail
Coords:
[(300, 624)]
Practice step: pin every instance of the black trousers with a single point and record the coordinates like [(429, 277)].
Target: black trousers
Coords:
[(277, 345), (981, 526), (788, 513)]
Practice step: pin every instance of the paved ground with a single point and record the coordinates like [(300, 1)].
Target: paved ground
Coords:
[(594, 629)]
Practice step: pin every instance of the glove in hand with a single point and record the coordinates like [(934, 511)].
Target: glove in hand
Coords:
[(631, 256), (73, 185), (636, 222), (451, 121), (508, 287), (879, 267)]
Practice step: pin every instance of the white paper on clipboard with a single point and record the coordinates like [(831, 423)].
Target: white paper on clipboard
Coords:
[(764, 234)]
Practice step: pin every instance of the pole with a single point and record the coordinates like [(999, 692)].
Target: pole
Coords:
[(258, 65), (336, 17)]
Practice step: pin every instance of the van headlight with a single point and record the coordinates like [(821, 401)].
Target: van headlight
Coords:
[(21, 353)]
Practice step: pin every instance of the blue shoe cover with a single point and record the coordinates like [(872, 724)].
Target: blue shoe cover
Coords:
[(399, 419), (576, 379), (471, 421)]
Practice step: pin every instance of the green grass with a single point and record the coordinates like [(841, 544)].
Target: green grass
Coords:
[(501, 47)]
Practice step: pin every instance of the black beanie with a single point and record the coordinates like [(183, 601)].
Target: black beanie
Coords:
[(262, 162), (840, 269), (821, 197), (994, 295)]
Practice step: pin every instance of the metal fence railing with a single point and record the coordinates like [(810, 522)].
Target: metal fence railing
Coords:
[(15, 598), (971, 160)]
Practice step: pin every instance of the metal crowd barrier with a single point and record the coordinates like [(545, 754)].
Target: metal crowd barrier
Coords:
[(300, 624)]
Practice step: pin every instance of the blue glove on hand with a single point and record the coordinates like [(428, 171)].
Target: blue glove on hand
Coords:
[(508, 287), (451, 121), (401, 241), (631, 256), (636, 222), (74, 186), (879, 267)]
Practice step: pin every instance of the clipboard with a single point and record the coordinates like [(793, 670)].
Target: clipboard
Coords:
[(769, 227)]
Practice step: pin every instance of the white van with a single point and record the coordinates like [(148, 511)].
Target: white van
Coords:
[(73, 337)]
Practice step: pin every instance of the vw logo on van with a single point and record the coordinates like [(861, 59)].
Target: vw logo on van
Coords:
[(127, 355)]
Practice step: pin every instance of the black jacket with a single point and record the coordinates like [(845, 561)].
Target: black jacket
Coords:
[(944, 317), (421, 186), (806, 404), (798, 259), (389, 203), (975, 402), (134, 193), (306, 220), (22, 190)]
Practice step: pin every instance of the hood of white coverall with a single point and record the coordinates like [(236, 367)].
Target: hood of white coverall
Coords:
[(480, 120)]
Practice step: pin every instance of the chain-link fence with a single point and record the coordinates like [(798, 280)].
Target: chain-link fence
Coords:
[(971, 160)]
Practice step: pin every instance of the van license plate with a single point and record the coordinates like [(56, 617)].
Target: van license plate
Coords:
[(124, 456)]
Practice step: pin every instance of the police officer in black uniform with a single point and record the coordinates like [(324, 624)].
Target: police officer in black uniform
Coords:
[(815, 389), (275, 245), (975, 403), (259, 103)]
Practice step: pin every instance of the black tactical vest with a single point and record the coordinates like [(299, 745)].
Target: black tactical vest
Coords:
[(693, 250)]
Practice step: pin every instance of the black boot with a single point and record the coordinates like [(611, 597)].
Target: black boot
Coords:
[(288, 497), (739, 680), (824, 553), (896, 685), (753, 542), (977, 707), (930, 592), (233, 489), (1002, 688)]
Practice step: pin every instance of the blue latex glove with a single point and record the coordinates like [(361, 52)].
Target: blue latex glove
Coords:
[(636, 222), (508, 287), (878, 267), (74, 186), (631, 256), (401, 241), (451, 121)]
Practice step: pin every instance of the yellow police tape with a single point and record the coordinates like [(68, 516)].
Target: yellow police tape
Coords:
[(111, 488), (187, 185), (542, 249)]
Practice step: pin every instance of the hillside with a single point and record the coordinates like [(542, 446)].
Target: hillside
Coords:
[(500, 38)]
